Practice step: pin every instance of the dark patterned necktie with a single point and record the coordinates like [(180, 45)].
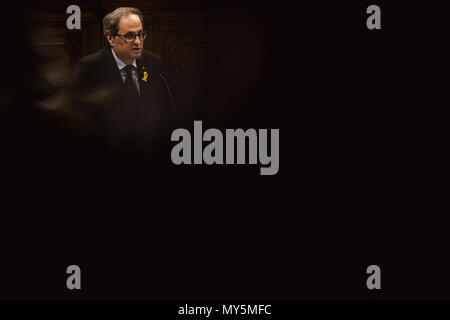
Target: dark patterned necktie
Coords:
[(130, 86)]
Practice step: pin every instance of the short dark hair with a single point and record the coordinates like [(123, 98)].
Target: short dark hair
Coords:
[(112, 19)]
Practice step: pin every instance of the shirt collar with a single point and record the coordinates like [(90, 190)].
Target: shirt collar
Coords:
[(120, 63)]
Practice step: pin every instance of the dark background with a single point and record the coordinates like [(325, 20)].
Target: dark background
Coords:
[(362, 147)]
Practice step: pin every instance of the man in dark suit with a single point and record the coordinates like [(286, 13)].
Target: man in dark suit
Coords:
[(120, 90)]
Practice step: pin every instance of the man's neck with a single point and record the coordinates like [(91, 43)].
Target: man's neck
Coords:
[(124, 61)]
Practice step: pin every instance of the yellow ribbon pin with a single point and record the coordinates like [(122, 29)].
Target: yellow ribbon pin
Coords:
[(145, 76)]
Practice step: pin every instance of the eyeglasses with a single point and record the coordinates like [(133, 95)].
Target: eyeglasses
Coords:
[(131, 37)]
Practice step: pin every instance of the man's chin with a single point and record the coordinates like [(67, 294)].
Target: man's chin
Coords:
[(136, 54)]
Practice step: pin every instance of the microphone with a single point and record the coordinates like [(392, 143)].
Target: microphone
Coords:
[(162, 75), (183, 78)]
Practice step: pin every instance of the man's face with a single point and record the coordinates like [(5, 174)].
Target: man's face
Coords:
[(127, 51)]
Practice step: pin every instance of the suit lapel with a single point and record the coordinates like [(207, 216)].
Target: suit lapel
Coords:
[(115, 73), (144, 77)]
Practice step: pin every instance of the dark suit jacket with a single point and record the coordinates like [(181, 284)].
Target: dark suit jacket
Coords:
[(97, 92)]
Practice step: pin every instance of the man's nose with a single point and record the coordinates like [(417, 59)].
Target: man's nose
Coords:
[(137, 40)]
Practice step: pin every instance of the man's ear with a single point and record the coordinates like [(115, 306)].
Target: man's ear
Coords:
[(110, 39)]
